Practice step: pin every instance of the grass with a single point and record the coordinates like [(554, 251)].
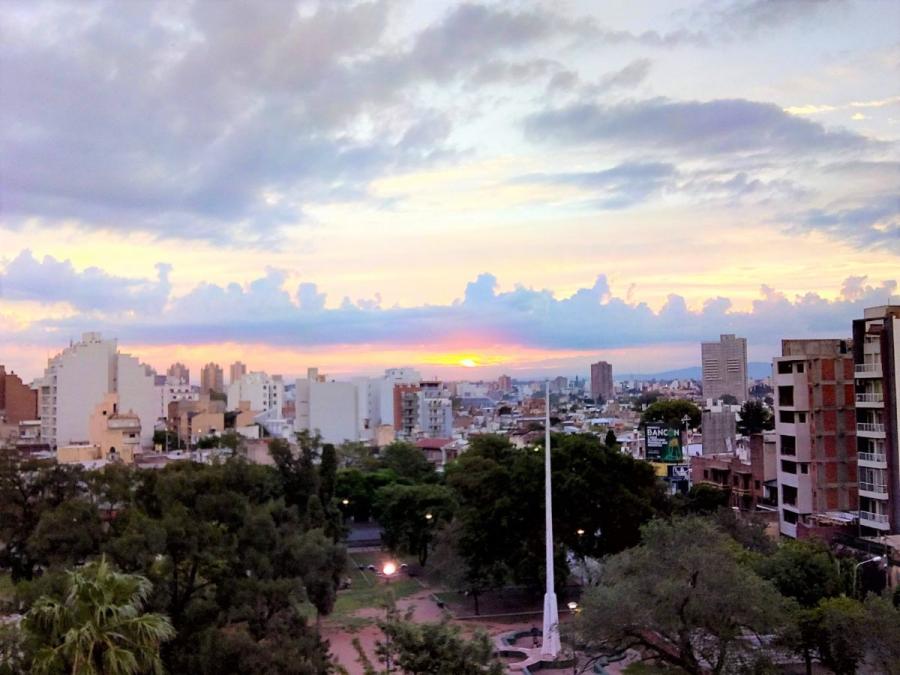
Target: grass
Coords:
[(368, 590), (7, 589)]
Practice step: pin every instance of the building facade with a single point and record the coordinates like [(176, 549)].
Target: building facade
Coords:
[(328, 408), (876, 354), (181, 372), (602, 386), (18, 401), (815, 426), (262, 392), (724, 365), (212, 379), (236, 371)]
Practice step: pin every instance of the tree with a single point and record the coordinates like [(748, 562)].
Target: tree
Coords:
[(610, 441), (682, 597), (66, 534), (431, 648), (601, 497), (755, 418), (841, 634), (803, 570), (407, 461), (28, 488), (297, 470), (670, 412), (409, 515), (99, 627), (702, 499), (729, 399), (882, 634)]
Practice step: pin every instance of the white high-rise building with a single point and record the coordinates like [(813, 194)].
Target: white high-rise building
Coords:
[(78, 379), (172, 389), (136, 386), (262, 392), (329, 408), (368, 392)]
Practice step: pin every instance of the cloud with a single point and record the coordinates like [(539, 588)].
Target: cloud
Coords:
[(225, 121), (753, 16), (717, 127), (634, 183), (263, 312), (51, 281), (873, 225), (619, 187)]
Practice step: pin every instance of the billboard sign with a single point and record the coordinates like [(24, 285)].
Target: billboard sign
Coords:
[(662, 443)]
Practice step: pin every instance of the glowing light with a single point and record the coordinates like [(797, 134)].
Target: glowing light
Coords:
[(389, 569), (468, 363)]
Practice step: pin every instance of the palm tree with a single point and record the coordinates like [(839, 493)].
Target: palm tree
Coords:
[(100, 627)]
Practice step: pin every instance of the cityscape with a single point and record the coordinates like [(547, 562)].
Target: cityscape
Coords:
[(450, 338)]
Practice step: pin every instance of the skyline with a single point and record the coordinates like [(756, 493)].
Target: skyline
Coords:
[(527, 186)]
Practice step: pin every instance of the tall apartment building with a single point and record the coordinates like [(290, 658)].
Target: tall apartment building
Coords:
[(815, 426), (876, 355), (327, 407), (78, 379), (504, 383), (725, 368), (180, 371), (602, 386), (263, 392), (435, 411), (406, 409), (719, 424), (236, 371), (18, 401), (212, 379), (392, 377)]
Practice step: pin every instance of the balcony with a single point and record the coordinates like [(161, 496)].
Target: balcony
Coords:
[(875, 490), (875, 399), (873, 458), (867, 369), (870, 429), (876, 520)]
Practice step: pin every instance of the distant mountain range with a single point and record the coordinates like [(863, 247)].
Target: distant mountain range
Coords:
[(756, 370)]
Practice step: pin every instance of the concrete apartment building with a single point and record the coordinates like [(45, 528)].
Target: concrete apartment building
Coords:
[(262, 392), (724, 366), (435, 411), (78, 379), (504, 384), (327, 407), (236, 371), (18, 401), (815, 426), (181, 372), (876, 355), (386, 398), (172, 389), (719, 424), (406, 410), (602, 385), (212, 379)]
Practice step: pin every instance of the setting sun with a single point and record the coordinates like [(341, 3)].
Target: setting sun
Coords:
[(468, 363)]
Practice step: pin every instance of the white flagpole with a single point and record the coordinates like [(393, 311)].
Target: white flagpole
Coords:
[(551, 645)]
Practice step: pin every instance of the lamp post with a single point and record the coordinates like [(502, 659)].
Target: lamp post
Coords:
[(874, 559)]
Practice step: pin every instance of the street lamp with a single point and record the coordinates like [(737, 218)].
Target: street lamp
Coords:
[(573, 607), (874, 559), (428, 517), (345, 502), (579, 532)]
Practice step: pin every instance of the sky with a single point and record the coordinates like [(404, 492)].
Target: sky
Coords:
[(469, 188)]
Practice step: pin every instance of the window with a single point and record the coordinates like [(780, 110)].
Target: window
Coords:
[(785, 396), (800, 367), (804, 468), (785, 417), (788, 467), (788, 445), (801, 417), (784, 367), (789, 517)]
